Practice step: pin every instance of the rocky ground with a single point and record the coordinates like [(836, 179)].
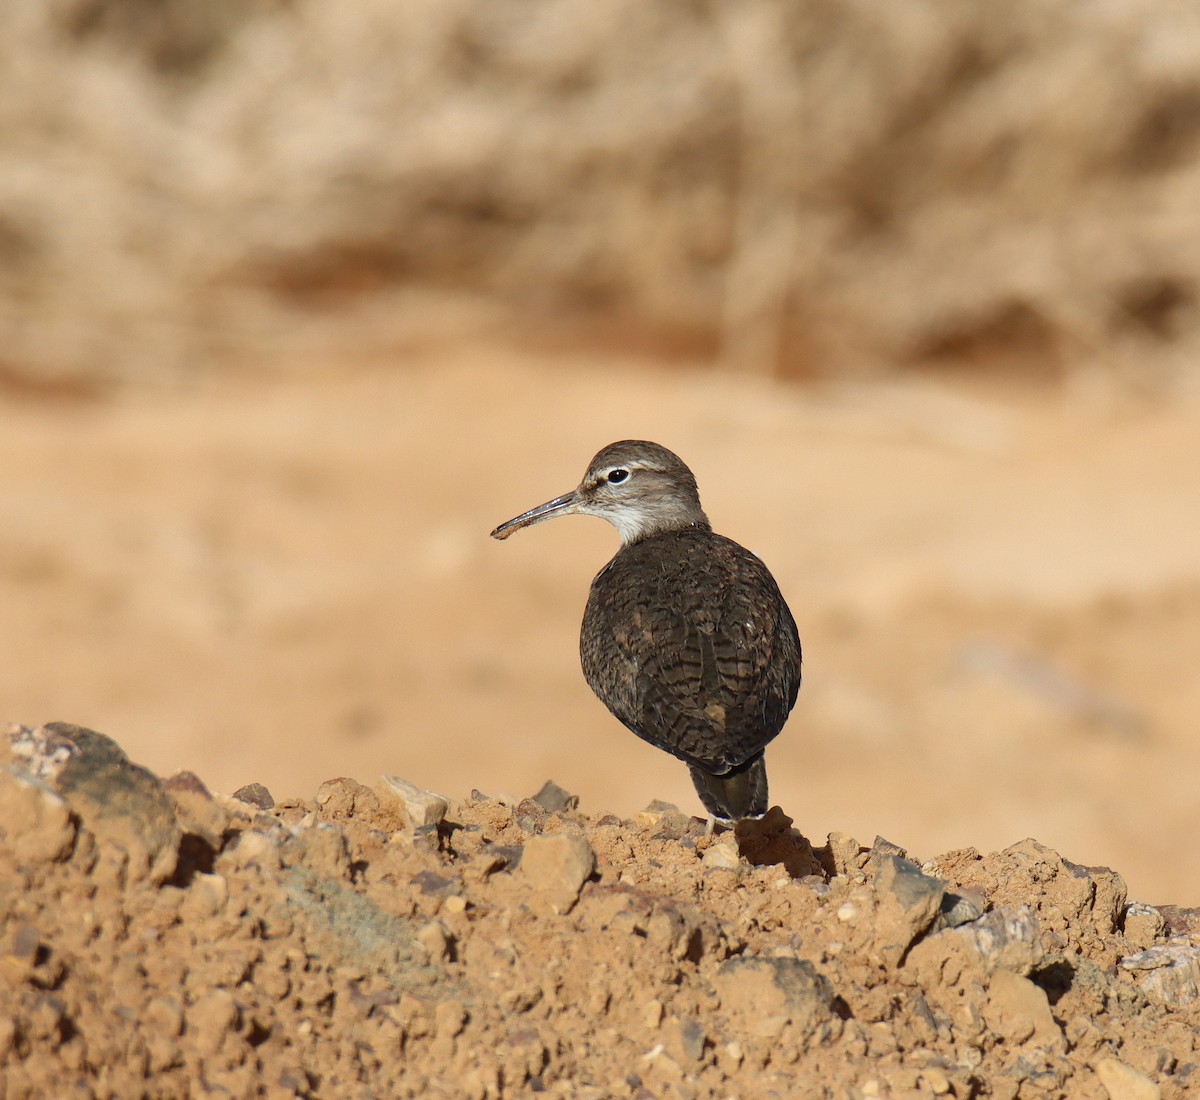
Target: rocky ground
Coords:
[(998, 592), (159, 939), (299, 300)]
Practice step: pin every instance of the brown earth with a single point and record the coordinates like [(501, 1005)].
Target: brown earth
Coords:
[(976, 230), (293, 299), (158, 940), (998, 589)]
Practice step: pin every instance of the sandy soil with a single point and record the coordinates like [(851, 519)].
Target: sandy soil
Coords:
[(291, 298), (998, 590), (380, 941)]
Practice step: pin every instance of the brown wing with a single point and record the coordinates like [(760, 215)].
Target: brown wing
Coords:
[(688, 641)]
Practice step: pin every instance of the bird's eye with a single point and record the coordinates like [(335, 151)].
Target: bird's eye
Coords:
[(615, 477)]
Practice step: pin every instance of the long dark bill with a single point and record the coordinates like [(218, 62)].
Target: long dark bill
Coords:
[(559, 506)]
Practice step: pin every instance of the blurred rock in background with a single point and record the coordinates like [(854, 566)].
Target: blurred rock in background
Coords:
[(814, 189)]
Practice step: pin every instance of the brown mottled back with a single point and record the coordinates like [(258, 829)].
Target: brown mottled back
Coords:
[(687, 640)]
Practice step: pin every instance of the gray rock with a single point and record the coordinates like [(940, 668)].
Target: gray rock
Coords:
[(498, 857), (916, 893), (882, 848), (687, 1037), (255, 794), (909, 903), (959, 909), (39, 750), (117, 800), (554, 800), (187, 783), (434, 885), (1004, 939), (1167, 973), (529, 816)]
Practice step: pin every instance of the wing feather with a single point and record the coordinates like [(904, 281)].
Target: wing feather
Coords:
[(689, 642)]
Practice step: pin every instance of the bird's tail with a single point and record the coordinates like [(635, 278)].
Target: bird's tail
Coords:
[(740, 792)]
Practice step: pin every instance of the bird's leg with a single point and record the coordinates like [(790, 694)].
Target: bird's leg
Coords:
[(717, 823)]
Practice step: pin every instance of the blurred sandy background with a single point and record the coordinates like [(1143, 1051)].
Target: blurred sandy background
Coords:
[(299, 299)]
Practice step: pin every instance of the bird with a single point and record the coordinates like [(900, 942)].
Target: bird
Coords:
[(686, 637)]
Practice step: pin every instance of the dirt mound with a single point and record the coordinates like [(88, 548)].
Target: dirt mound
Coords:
[(380, 941)]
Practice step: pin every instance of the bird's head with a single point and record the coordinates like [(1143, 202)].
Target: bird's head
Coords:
[(639, 487)]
